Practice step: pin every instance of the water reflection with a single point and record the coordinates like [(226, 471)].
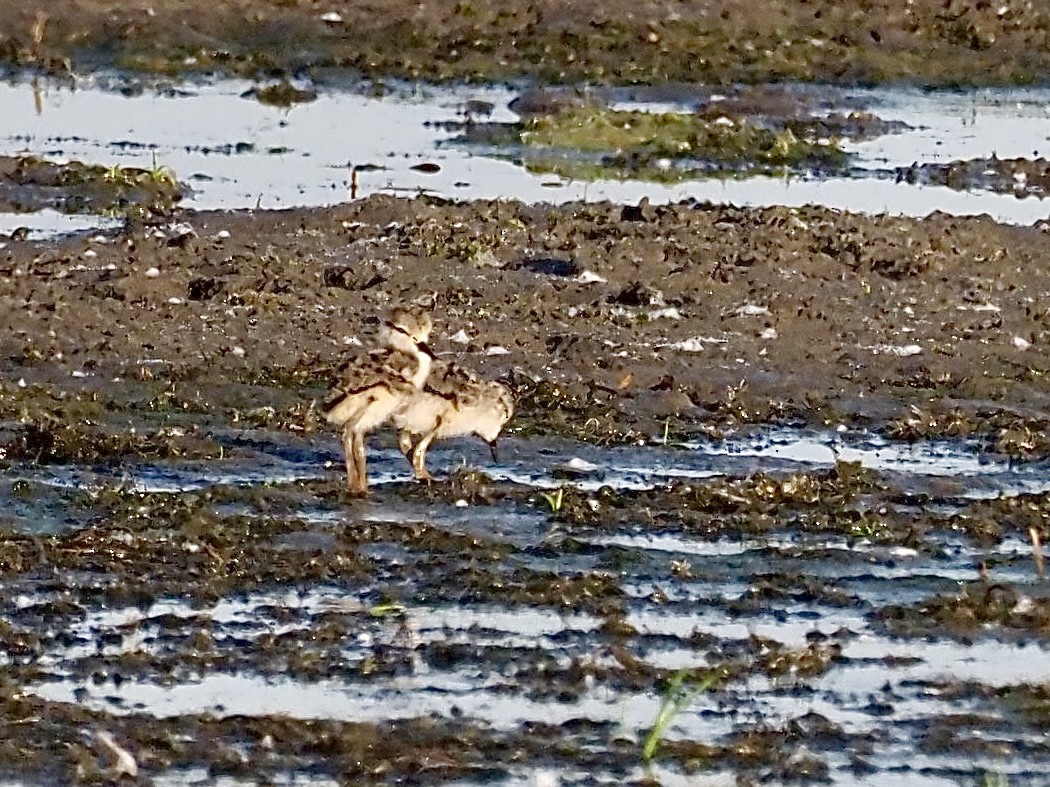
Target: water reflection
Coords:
[(238, 153)]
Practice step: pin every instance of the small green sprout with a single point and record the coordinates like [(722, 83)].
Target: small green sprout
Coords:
[(113, 174), (677, 697), (386, 609), (160, 174), (554, 499)]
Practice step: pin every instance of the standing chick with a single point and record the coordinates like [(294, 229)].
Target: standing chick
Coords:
[(371, 388), (454, 402)]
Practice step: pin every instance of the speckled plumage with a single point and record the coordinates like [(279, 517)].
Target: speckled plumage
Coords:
[(370, 388), (454, 402)]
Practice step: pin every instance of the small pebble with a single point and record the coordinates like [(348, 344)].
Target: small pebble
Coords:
[(590, 277), (152, 273)]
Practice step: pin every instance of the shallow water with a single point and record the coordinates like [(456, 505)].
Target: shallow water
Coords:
[(880, 686), (238, 153), (503, 665), (950, 469), (475, 638)]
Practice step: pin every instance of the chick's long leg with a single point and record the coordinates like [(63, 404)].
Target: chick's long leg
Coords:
[(404, 442), (352, 474), (419, 455), (359, 461)]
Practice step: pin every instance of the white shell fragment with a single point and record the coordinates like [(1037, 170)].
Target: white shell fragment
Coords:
[(590, 277)]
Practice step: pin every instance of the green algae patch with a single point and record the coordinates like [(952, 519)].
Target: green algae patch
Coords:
[(29, 183), (587, 143), (649, 135)]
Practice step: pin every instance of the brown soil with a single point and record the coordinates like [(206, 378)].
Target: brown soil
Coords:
[(160, 341), (927, 41), (702, 316)]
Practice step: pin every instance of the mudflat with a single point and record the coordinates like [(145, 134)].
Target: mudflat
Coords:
[(934, 42), (698, 316), (643, 592)]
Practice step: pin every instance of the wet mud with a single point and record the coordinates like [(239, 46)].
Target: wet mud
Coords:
[(611, 323), (473, 630), (927, 41), (1021, 177), (773, 507), (29, 184), (188, 591)]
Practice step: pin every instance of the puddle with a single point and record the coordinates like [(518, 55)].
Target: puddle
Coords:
[(960, 470), (503, 621), (47, 222), (237, 153), (881, 688), (950, 125)]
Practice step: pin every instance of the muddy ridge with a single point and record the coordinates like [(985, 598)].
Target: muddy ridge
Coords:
[(926, 41), (610, 323)]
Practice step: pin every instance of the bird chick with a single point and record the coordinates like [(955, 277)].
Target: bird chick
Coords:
[(454, 402), (369, 389)]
